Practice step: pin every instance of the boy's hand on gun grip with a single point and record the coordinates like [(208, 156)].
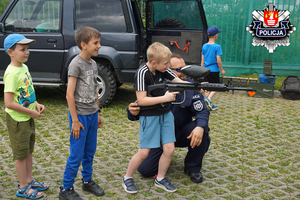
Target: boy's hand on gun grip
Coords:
[(170, 96), (76, 129)]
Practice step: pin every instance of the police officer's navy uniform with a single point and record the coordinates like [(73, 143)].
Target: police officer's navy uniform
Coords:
[(188, 104)]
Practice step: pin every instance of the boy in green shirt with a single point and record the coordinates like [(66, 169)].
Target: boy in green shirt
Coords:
[(21, 109)]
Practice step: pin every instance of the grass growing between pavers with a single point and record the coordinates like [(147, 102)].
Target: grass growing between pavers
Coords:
[(254, 152)]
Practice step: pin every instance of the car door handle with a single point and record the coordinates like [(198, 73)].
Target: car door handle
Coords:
[(51, 40)]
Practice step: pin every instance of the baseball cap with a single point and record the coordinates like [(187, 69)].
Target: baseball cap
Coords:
[(213, 31), (13, 39)]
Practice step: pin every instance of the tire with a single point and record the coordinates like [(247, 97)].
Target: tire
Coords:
[(107, 86), (169, 23)]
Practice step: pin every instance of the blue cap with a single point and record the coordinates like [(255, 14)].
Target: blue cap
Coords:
[(211, 31), (13, 39)]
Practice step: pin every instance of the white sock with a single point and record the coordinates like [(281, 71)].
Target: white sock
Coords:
[(125, 178), (159, 179)]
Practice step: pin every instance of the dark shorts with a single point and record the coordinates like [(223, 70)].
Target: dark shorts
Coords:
[(22, 137), (212, 77)]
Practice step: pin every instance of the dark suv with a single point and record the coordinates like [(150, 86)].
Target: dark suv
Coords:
[(178, 24)]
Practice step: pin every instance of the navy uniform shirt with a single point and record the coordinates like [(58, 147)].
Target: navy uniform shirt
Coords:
[(189, 104)]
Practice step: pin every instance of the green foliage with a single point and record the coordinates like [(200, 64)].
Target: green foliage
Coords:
[(3, 5)]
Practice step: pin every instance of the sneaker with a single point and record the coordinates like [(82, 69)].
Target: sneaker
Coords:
[(92, 187), (68, 194), (129, 186), (214, 107), (166, 185), (208, 103)]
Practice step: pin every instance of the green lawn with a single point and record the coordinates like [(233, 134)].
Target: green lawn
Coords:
[(254, 151)]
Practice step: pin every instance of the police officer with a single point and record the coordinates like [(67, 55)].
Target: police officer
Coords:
[(189, 133)]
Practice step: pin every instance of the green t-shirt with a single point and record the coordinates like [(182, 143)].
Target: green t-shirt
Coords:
[(18, 81)]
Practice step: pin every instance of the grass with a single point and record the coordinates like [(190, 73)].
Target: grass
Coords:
[(254, 151)]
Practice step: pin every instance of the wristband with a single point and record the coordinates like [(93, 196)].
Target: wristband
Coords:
[(99, 111)]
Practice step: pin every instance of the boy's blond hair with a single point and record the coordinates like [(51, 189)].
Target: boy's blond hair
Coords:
[(157, 52), (85, 34)]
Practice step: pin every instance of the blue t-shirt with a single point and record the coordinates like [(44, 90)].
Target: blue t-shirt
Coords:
[(210, 52)]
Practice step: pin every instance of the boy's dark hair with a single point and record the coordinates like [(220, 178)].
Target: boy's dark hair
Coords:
[(84, 34)]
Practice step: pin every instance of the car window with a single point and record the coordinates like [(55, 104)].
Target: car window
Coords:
[(174, 14), (34, 16), (104, 15)]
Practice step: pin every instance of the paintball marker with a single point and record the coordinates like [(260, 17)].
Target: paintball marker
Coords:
[(195, 72)]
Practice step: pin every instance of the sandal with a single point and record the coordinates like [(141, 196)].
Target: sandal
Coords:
[(38, 185), (24, 192)]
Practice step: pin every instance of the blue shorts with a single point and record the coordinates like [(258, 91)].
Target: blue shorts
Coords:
[(156, 130)]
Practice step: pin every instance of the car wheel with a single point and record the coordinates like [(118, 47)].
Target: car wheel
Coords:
[(107, 86), (169, 23)]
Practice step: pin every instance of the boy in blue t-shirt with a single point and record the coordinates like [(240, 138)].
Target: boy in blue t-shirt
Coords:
[(211, 59)]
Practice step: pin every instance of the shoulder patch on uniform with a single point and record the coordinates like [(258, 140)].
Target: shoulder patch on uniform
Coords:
[(198, 105), (197, 96)]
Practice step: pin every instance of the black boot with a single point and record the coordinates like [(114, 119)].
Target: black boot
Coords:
[(195, 177)]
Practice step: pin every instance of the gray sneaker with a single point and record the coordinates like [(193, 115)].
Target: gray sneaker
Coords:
[(129, 186), (166, 185)]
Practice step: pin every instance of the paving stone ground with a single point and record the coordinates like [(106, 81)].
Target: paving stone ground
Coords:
[(254, 153)]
